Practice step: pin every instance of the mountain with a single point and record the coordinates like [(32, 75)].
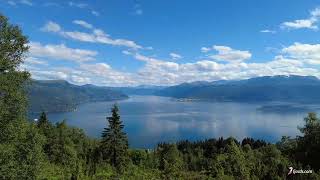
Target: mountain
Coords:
[(139, 90), (268, 88), (60, 96)]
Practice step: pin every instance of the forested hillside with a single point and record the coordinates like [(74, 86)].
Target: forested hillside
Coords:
[(60, 96)]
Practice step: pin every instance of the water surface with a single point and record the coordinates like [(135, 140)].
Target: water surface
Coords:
[(151, 119)]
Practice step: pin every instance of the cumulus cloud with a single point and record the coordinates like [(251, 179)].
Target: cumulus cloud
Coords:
[(226, 53), (309, 23), (161, 72), (175, 56), (60, 52), (293, 59), (96, 36), (309, 53), (301, 23)]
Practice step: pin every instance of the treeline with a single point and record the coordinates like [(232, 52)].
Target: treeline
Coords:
[(41, 150), (62, 152)]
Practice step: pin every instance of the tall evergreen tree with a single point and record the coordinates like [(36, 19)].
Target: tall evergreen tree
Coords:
[(43, 120), (44, 124), (114, 144)]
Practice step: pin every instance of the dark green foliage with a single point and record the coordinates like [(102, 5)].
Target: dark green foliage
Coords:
[(114, 143), (170, 161), (12, 96), (309, 143), (21, 154), (254, 144)]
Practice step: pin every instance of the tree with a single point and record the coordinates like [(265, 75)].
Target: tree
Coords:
[(170, 161), (309, 144), (20, 143), (13, 46), (44, 125), (114, 144)]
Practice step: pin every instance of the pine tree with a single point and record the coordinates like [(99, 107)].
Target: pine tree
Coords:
[(44, 124), (114, 144)]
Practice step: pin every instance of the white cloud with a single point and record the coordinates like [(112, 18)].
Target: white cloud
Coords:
[(175, 56), (226, 53), (78, 5), (84, 6), (96, 36), (315, 13), (51, 27), (298, 24), (268, 31), (205, 49), (26, 2), (95, 13), (35, 61), (61, 52), (161, 72), (309, 23), (23, 2), (83, 24), (309, 53), (291, 60)]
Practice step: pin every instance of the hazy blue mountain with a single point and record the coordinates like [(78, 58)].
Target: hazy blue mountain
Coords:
[(58, 95), (139, 90), (268, 88)]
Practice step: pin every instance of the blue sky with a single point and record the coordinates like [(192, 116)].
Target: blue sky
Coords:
[(133, 42)]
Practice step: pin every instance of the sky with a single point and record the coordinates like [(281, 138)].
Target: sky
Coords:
[(167, 42)]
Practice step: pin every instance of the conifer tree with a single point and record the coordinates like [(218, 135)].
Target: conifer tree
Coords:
[(44, 124), (114, 144)]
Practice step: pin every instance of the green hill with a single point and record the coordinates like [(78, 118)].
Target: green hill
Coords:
[(61, 96)]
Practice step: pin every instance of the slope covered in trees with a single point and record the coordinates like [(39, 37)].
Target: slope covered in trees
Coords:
[(59, 95)]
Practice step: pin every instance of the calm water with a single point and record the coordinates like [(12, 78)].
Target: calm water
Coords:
[(150, 119)]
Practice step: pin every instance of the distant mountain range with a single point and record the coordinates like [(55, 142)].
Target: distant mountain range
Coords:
[(139, 90), (58, 96), (268, 88)]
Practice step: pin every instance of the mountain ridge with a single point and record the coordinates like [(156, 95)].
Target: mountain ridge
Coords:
[(267, 88), (61, 96)]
